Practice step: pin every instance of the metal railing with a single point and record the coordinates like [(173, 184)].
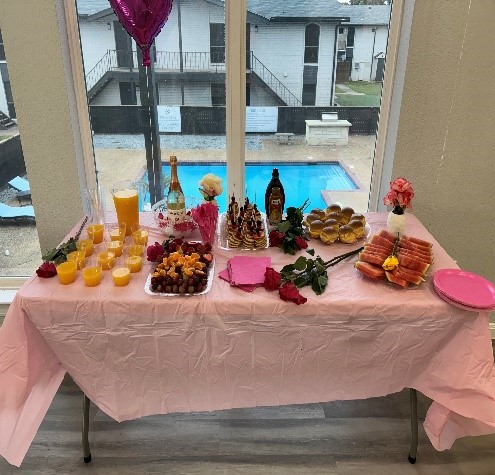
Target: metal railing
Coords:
[(189, 62), (108, 62), (258, 68)]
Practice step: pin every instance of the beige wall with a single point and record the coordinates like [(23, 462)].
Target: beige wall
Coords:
[(446, 137)]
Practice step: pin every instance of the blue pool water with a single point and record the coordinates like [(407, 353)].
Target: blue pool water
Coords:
[(300, 180)]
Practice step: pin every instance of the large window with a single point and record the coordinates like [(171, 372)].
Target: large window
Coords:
[(283, 94)]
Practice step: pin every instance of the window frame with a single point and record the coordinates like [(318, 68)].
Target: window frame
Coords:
[(235, 34)]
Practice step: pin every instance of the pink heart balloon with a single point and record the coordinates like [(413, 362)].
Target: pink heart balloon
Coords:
[(143, 20)]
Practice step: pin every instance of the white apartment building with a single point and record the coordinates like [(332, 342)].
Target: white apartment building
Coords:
[(296, 52)]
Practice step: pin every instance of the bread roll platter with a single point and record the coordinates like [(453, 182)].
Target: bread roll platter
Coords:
[(336, 224)]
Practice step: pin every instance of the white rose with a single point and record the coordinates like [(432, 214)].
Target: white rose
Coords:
[(212, 184)]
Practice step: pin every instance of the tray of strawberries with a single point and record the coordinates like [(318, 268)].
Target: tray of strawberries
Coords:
[(181, 268)]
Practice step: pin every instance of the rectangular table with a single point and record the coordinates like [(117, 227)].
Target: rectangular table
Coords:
[(135, 355)]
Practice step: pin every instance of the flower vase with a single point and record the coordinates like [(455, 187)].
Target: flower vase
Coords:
[(396, 220)]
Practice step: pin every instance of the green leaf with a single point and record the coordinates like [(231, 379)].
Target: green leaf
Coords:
[(315, 285), (302, 280), (300, 263), (323, 280), (284, 226), (319, 266), (311, 252), (288, 268)]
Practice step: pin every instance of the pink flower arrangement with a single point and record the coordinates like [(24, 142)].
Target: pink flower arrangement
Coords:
[(401, 193)]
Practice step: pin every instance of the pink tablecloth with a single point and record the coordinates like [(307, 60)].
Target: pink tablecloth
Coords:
[(136, 355)]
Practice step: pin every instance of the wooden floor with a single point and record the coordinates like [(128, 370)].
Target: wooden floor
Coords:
[(355, 437)]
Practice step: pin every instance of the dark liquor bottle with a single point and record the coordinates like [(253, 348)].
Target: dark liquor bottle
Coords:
[(274, 183), (275, 206)]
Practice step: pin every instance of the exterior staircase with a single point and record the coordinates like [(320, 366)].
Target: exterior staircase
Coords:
[(260, 72), (5, 121), (192, 62)]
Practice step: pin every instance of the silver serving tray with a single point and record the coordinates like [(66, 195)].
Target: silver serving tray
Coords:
[(209, 282), (223, 238)]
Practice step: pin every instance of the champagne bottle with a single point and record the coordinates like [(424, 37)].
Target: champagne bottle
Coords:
[(274, 182), (176, 202)]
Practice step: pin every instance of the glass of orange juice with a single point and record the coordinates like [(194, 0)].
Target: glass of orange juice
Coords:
[(121, 276), (135, 250), (140, 236), (95, 232), (89, 246), (134, 263), (67, 272), (116, 247), (92, 273), (106, 260), (126, 201), (117, 232), (79, 257)]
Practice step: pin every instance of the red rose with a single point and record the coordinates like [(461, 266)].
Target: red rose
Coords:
[(289, 291), (155, 252), (276, 238), (272, 279), (301, 243), (46, 270)]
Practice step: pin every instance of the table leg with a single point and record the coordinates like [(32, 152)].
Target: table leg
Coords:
[(413, 398), (85, 429)]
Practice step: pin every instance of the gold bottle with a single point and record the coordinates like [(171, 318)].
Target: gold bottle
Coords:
[(176, 202)]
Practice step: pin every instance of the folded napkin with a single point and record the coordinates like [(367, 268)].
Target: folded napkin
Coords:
[(226, 276), (246, 272)]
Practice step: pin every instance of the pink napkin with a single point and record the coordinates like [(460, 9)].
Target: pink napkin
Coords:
[(226, 276), (246, 272)]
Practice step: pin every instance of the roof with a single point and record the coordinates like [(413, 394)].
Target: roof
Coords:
[(281, 11)]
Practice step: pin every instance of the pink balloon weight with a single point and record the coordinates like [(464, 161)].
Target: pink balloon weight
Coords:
[(143, 20)]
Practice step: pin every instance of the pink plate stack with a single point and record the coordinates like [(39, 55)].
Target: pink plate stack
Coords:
[(464, 289)]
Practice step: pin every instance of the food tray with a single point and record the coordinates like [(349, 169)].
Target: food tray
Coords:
[(209, 282), (223, 239)]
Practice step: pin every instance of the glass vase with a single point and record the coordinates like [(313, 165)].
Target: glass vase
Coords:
[(396, 220)]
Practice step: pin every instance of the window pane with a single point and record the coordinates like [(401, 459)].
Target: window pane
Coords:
[(217, 34), (294, 77), (312, 35), (311, 54), (189, 72), (20, 252)]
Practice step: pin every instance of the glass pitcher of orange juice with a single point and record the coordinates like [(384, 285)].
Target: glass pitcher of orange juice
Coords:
[(126, 201)]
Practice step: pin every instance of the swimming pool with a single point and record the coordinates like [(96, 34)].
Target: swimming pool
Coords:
[(300, 180)]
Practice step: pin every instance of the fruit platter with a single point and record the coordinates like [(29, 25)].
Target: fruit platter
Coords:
[(400, 259), (180, 268)]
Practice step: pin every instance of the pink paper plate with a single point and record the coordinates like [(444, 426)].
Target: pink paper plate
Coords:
[(465, 288), (454, 303)]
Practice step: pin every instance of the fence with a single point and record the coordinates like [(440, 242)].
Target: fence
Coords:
[(11, 159), (211, 120)]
